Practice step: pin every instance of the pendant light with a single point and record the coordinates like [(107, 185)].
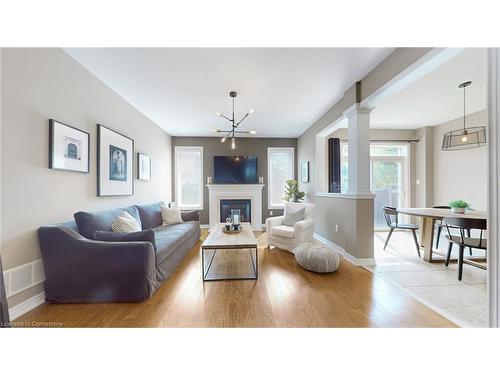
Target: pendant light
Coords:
[(464, 138), (234, 125)]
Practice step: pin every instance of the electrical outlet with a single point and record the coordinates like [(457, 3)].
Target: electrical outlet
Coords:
[(336, 227), (271, 213)]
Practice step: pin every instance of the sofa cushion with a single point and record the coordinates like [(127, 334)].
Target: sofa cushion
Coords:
[(142, 236), (169, 238), (150, 215), (89, 222), (282, 231)]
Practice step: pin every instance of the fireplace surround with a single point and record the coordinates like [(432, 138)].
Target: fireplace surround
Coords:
[(248, 192)]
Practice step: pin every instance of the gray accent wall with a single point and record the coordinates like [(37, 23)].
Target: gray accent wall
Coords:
[(244, 147), (42, 83)]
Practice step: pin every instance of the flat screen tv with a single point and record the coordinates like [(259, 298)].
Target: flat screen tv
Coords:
[(235, 169)]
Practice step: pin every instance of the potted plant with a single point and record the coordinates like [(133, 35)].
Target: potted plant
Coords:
[(458, 206), (292, 193)]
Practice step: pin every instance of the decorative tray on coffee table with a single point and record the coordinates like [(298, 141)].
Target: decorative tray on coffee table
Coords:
[(231, 231)]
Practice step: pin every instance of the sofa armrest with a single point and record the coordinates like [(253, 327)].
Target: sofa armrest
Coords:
[(303, 230), (81, 270), (273, 221), (303, 225)]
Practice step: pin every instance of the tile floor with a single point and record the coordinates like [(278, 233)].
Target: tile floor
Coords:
[(463, 302)]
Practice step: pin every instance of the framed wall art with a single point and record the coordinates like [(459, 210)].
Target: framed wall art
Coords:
[(304, 171), (115, 154), (69, 147), (143, 167)]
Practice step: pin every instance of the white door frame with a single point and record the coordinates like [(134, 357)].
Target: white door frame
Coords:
[(493, 185), (405, 174)]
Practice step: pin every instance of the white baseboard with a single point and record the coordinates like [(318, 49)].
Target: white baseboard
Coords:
[(23, 277), (344, 253), (25, 306)]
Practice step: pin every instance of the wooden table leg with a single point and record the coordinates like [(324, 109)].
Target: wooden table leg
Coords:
[(427, 237)]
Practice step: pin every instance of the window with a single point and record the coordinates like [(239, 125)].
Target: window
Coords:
[(280, 167), (388, 176), (189, 177)]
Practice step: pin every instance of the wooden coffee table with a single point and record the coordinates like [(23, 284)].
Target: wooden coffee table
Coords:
[(218, 240)]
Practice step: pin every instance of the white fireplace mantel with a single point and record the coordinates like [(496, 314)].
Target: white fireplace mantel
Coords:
[(216, 192)]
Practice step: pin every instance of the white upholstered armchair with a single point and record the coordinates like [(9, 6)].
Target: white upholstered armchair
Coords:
[(288, 237)]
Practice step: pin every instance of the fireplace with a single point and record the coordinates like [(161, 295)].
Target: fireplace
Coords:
[(251, 193), (244, 205)]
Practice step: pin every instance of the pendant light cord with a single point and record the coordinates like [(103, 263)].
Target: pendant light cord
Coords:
[(233, 117), (464, 107)]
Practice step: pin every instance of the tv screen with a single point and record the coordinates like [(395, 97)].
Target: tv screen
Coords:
[(235, 169)]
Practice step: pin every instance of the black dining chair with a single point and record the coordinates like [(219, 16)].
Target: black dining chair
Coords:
[(440, 225), (464, 240), (391, 217)]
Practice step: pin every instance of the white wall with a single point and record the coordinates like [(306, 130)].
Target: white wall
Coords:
[(461, 174), (39, 84)]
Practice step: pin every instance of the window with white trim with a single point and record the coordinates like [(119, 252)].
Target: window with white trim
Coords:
[(189, 177), (280, 167)]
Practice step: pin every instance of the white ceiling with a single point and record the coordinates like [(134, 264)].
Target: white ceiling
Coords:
[(181, 88), (436, 98)]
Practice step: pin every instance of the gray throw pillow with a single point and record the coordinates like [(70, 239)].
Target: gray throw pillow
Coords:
[(147, 235), (190, 216), (291, 217)]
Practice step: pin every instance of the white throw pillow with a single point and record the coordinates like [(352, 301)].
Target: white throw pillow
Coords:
[(170, 215), (291, 217), (126, 223)]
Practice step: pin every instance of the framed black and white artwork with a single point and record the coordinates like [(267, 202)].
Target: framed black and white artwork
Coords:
[(143, 167), (304, 171), (115, 153), (69, 147)]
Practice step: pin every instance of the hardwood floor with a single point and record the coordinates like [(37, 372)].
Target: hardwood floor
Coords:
[(285, 295)]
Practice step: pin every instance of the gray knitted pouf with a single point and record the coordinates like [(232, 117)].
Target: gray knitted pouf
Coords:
[(317, 258)]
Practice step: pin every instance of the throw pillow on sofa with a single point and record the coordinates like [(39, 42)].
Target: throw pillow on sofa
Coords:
[(90, 221), (291, 217), (190, 216), (126, 223), (170, 215), (147, 235)]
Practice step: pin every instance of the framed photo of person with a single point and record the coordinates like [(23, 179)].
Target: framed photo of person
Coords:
[(69, 147), (304, 171), (143, 167), (115, 153)]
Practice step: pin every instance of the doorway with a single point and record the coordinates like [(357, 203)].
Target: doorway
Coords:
[(388, 177)]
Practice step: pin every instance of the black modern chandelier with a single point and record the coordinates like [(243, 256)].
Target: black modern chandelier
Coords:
[(464, 138), (234, 125)]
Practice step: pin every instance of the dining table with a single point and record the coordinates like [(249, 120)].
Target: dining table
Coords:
[(429, 217)]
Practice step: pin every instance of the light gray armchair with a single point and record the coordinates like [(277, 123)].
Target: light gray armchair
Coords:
[(287, 237)]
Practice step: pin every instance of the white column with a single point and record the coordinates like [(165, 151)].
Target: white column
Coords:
[(359, 150), (493, 185)]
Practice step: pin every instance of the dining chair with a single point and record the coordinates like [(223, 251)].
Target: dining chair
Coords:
[(391, 217), (463, 240), (440, 225)]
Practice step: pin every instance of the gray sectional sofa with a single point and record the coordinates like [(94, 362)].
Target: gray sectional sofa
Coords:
[(79, 268)]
